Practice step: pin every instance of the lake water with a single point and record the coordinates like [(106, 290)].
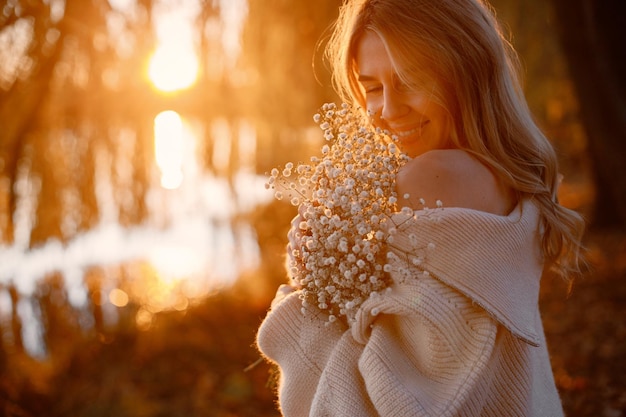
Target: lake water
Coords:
[(189, 240)]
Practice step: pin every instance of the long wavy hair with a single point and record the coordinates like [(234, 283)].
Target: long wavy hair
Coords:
[(459, 44)]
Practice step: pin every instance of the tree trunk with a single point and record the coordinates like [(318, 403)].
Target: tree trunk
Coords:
[(591, 35)]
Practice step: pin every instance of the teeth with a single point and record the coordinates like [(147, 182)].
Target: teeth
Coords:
[(411, 132)]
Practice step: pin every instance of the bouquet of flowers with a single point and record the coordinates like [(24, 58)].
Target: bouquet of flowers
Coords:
[(347, 197)]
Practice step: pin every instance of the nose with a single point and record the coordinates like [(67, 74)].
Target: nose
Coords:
[(394, 105)]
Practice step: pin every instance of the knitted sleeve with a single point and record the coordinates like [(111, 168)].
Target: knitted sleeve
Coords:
[(420, 349), (300, 344), (426, 351)]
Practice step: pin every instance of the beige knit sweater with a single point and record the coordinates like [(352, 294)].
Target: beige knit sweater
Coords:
[(463, 339)]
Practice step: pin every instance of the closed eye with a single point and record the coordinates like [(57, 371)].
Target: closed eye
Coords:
[(372, 89), (370, 84)]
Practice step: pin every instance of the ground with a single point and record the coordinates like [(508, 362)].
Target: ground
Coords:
[(586, 331)]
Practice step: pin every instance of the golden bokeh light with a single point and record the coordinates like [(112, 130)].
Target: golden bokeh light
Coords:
[(144, 319), (118, 297), (175, 263), (158, 290), (173, 67)]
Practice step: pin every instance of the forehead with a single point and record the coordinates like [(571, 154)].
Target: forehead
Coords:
[(412, 64), (371, 56)]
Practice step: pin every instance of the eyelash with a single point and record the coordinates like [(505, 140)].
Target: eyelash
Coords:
[(400, 87)]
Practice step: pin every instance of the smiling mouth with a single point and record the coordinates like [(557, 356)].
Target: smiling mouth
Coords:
[(411, 132)]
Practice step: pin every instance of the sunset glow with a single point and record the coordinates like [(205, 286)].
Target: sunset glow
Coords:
[(173, 67)]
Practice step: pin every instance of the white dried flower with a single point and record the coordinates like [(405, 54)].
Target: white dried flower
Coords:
[(347, 197)]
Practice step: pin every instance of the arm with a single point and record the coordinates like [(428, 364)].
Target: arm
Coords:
[(429, 355), (300, 344), (422, 349)]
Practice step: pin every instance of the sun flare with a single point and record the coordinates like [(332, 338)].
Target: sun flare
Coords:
[(173, 67)]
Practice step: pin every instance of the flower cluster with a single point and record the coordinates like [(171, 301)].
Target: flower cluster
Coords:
[(347, 197)]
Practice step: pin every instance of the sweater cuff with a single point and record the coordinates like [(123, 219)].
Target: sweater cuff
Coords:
[(300, 344), (290, 335)]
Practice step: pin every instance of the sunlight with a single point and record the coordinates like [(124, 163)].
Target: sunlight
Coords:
[(168, 148), (176, 262), (173, 67), (159, 291)]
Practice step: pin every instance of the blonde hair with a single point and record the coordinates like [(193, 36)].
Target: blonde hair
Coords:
[(459, 44)]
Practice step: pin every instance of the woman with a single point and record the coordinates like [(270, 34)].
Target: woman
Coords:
[(463, 336)]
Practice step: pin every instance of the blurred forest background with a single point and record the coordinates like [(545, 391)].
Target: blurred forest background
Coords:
[(139, 250)]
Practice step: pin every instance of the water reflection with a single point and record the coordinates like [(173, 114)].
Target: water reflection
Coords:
[(169, 147), (192, 242)]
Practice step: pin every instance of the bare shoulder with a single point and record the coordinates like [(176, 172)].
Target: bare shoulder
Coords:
[(456, 178)]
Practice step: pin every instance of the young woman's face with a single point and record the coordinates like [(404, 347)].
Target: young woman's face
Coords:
[(408, 112)]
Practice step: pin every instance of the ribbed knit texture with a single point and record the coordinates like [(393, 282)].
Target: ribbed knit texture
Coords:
[(464, 339)]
